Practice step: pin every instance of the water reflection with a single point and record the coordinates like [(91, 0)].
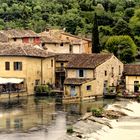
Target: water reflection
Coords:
[(24, 114), (41, 115)]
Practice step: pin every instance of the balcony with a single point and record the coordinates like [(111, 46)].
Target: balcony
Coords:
[(60, 69)]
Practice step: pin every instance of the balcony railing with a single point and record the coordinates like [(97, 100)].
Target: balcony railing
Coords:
[(60, 69)]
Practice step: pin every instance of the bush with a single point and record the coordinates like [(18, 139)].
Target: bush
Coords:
[(97, 112), (46, 88), (38, 89), (43, 88), (70, 130)]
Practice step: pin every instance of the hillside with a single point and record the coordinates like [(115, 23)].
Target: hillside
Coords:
[(115, 17)]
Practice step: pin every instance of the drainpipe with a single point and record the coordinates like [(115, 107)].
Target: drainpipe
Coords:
[(41, 71), (81, 96)]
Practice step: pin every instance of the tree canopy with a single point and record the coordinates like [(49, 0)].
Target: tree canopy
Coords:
[(123, 47), (114, 17)]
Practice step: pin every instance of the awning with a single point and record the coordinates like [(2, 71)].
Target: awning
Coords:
[(10, 80)]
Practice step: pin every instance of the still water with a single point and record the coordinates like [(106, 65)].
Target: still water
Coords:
[(30, 118)]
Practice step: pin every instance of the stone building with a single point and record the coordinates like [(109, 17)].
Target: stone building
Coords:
[(87, 75), (19, 36), (61, 61), (132, 77), (23, 67), (57, 41)]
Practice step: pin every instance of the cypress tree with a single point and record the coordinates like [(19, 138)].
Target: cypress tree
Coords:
[(95, 36)]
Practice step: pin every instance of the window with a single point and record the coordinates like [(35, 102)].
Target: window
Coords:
[(31, 40), (51, 62), (70, 48), (37, 82), (7, 65), (25, 40), (89, 87), (136, 86), (81, 73), (36, 40), (62, 65), (61, 44), (43, 44), (119, 70), (15, 39), (18, 66), (105, 73), (112, 72)]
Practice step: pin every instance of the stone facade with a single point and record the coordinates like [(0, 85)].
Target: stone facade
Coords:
[(132, 77), (108, 73), (57, 41), (84, 43), (30, 72)]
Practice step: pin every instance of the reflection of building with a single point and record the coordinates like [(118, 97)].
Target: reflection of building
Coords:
[(75, 110), (88, 75), (132, 77), (28, 115)]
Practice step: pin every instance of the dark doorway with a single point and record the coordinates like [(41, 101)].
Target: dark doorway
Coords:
[(136, 86)]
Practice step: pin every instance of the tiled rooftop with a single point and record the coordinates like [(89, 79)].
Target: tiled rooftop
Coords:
[(132, 69)]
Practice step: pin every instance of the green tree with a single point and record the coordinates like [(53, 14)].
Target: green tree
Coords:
[(123, 47), (135, 23), (95, 36), (121, 28), (128, 13)]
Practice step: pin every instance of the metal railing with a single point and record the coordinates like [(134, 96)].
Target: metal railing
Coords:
[(60, 69)]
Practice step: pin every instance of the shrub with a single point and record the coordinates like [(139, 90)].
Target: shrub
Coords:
[(43, 88), (38, 89), (46, 88), (97, 112), (70, 130)]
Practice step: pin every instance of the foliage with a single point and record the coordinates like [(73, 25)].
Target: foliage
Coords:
[(97, 112), (42, 89), (114, 17), (135, 23), (95, 36), (70, 130), (123, 47), (121, 28)]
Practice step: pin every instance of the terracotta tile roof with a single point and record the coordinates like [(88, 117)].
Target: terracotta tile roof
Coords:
[(78, 37), (20, 50), (3, 38), (54, 36), (46, 37), (132, 69), (76, 81), (64, 57), (18, 33), (88, 60)]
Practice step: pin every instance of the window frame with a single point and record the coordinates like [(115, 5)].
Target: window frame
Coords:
[(119, 70), (81, 75), (7, 66), (52, 62), (17, 66), (88, 87), (105, 73), (112, 71)]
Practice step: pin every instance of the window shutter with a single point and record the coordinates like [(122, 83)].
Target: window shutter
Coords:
[(14, 65), (77, 73), (85, 73), (20, 65)]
